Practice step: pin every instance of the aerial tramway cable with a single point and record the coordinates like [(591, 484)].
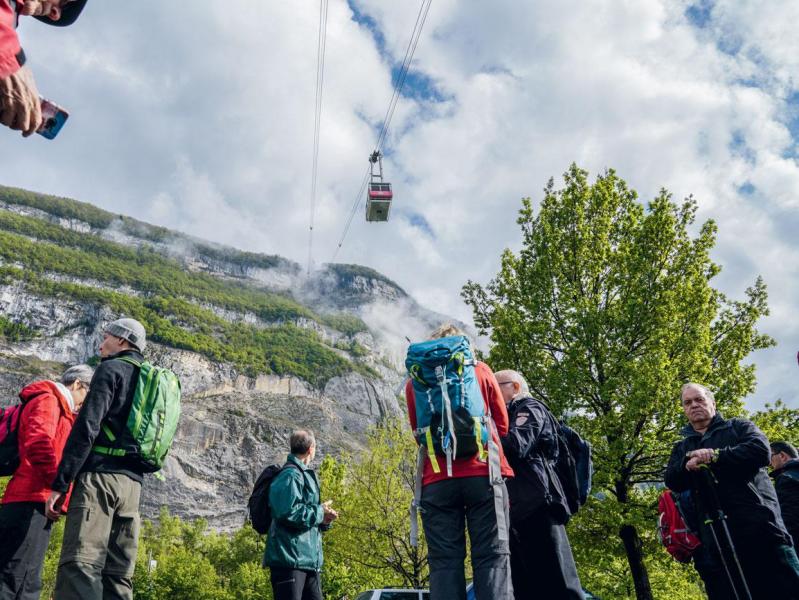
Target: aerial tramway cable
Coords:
[(320, 76), (421, 17)]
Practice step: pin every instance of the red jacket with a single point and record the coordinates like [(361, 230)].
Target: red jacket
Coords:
[(44, 426), (469, 467), (9, 43)]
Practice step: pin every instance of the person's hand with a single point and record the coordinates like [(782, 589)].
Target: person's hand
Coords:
[(52, 508), (697, 458), (330, 515), (42, 8), (20, 107)]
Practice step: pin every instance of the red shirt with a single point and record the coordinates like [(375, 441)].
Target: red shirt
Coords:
[(44, 426), (472, 466), (9, 43)]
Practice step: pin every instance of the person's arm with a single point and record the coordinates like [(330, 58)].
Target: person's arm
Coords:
[(410, 400), (525, 431), (86, 427), (9, 42), (493, 397), (287, 506), (677, 478), (750, 452), (20, 107), (37, 431)]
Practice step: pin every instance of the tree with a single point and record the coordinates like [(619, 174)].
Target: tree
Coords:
[(607, 310), (368, 546)]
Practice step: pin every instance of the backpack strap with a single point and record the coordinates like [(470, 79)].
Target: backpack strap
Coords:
[(105, 450), (417, 492)]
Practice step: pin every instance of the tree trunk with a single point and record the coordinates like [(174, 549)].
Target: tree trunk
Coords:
[(633, 547)]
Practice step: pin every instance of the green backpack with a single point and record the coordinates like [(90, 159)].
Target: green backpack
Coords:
[(152, 421)]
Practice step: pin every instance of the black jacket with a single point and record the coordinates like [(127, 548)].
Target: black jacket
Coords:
[(786, 481), (744, 490), (530, 443), (108, 401)]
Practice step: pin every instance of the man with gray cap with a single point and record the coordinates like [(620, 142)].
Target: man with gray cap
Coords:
[(102, 530)]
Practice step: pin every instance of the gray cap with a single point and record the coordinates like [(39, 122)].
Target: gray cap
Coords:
[(130, 330)]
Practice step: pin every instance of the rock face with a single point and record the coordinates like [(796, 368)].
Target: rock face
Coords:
[(231, 425)]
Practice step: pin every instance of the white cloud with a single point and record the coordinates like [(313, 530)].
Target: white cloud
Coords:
[(202, 120)]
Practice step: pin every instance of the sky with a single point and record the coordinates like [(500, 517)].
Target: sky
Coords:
[(198, 116)]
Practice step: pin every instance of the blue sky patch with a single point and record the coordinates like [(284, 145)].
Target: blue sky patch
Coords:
[(699, 13), (739, 147), (417, 86), (747, 189), (419, 222)]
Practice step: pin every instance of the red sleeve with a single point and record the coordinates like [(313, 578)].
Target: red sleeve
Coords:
[(410, 400), (9, 42), (493, 397), (37, 432)]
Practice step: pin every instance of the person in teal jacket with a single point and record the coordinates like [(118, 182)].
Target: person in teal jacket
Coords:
[(294, 543)]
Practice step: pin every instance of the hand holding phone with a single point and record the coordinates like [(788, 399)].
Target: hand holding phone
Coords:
[(53, 119)]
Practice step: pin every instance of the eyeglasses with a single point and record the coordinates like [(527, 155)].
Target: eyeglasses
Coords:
[(505, 382)]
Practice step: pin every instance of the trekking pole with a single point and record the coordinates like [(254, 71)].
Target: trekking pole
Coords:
[(721, 518)]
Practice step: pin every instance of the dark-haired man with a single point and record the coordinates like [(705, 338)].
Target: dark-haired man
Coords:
[(735, 453), (785, 465), (294, 542)]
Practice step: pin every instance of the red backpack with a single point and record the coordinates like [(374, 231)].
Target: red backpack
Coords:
[(9, 445), (674, 534)]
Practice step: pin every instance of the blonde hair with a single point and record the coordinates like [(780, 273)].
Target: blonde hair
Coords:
[(445, 330)]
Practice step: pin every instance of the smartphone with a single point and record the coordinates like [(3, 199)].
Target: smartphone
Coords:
[(53, 119)]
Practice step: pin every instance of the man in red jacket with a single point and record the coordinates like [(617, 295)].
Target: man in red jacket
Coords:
[(467, 497), (48, 412), (20, 107)]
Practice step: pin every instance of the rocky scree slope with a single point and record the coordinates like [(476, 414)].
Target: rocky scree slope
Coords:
[(258, 348)]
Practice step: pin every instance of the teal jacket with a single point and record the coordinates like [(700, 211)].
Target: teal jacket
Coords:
[(295, 535)]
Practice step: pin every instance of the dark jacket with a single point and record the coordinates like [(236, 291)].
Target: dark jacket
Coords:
[(530, 443), (295, 535), (744, 490), (108, 402), (786, 481)]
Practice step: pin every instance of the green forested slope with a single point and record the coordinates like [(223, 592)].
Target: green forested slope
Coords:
[(168, 299)]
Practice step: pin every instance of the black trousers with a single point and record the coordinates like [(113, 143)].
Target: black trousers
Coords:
[(771, 570), (24, 535), (294, 584), (448, 507), (541, 560)]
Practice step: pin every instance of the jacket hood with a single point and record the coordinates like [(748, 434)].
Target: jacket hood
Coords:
[(132, 353), (29, 392)]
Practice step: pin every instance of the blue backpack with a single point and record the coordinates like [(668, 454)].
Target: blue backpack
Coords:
[(451, 417)]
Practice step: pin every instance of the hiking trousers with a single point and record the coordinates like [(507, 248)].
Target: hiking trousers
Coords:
[(771, 571), (24, 535), (541, 560), (447, 508), (101, 538), (295, 584)]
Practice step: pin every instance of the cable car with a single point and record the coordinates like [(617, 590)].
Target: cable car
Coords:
[(378, 194)]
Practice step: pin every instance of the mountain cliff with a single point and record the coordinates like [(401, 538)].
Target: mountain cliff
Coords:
[(259, 347)]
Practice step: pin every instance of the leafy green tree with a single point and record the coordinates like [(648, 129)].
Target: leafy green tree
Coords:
[(368, 546), (607, 309), (779, 422)]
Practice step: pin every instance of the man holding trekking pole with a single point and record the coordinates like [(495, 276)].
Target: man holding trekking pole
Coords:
[(747, 551)]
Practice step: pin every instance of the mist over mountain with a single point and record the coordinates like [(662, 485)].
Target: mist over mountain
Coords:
[(260, 346)]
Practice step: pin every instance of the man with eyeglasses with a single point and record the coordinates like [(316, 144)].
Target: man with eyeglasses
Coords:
[(542, 564), (20, 106), (722, 462), (48, 411)]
